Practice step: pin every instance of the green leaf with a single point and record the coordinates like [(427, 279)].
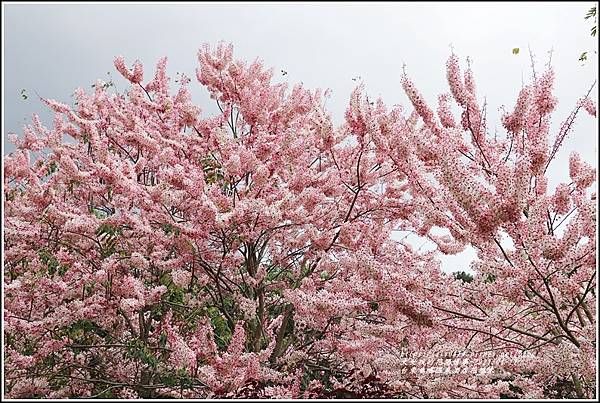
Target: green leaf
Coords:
[(176, 295), (72, 185), (52, 167), (583, 57), (51, 263), (591, 13), (162, 342), (463, 276), (78, 330), (515, 51), (24, 94), (221, 330), (167, 228), (489, 278), (99, 214), (105, 229)]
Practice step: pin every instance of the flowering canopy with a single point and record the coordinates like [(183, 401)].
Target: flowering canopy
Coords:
[(249, 254)]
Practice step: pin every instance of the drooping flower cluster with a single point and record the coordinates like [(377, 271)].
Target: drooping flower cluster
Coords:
[(249, 254)]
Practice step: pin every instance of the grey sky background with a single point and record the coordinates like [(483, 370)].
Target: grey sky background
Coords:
[(53, 49)]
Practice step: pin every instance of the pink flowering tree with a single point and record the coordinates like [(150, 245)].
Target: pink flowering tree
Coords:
[(161, 253), (534, 292)]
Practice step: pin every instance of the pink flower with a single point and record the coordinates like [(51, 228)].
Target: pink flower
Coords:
[(135, 76), (589, 105)]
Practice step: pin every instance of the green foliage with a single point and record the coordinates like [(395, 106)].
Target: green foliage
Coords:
[(464, 276), (104, 393), (489, 278), (170, 229), (221, 329), (109, 235), (162, 341), (72, 185), (10, 196), (106, 85), (213, 173), (52, 167), (80, 331), (107, 229), (592, 14), (138, 350), (177, 378), (175, 294), (279, 273), (589, 15), (99, 213), (52, 264), (29, 347)]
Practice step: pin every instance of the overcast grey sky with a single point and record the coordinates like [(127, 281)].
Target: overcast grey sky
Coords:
[(52, 49)]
